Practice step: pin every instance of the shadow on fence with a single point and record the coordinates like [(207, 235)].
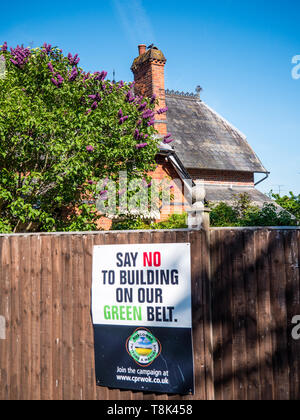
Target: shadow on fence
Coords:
[(255, 294)]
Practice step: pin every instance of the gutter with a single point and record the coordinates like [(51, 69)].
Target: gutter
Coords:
[(262, 180)]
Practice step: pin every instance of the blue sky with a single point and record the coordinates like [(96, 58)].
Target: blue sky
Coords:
[(240, 52)]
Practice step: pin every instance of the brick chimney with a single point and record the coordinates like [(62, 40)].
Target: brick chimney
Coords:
[(148, 69)]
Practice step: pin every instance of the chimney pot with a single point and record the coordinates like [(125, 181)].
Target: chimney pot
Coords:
[(142, 49)]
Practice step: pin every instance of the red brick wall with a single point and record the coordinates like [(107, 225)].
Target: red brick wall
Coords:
[(104, 223), (165, 170), (222, 177)]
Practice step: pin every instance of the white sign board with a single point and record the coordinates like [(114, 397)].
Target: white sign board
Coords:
[(145, 285)]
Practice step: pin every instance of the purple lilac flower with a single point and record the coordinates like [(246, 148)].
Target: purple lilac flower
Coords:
[(86, 76), (121, 84), (94, 105), (136, 134), (151, 122), (96, 97), (153, 99), (139, 123), (129, 97), (100, 76), (58, 81), (59, 78), (91, 182), (120, 113), (73, 60), (123, 119), (167, 141), (148, 114), (47, 48), (20, 56), (139, 99), (141, 146), (90, 148), (50, 67), (73, 74), (4, 46), (162, 110), (142, 106)]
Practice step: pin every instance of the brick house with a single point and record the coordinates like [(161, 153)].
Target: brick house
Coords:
[(207, 148)]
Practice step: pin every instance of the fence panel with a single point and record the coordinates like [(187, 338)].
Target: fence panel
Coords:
[(245, 292), (255, 283)]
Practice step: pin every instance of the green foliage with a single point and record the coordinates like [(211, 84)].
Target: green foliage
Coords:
[(5, 226), (61, 131), (223, 215), (291, 203), (243, 214), (176, 221)]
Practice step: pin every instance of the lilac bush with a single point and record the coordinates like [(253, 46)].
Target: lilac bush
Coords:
[(61, 130)]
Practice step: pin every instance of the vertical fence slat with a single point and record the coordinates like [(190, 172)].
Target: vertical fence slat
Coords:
[(293, 309), (265, 324), (207, 308), (252, 354), (67, 317), (57, 290), (46, 320), (25, 303), (216, 279), (239, 317), (90, 376), (198, 315), (5, 311), (78, 332), (279, 315), (15, 357), (35, 246), (226, 308)]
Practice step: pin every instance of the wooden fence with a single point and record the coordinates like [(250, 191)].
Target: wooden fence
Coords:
[(245, 286)]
